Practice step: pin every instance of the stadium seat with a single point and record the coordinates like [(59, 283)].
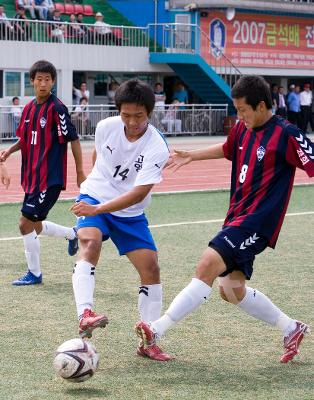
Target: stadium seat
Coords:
[(69, 9), (78, 9), (88, 10), (60, 7)]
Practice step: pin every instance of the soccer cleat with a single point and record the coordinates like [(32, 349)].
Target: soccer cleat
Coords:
[(292, 342), (28, 279), (148, 347), (89, 322), (73, 243)]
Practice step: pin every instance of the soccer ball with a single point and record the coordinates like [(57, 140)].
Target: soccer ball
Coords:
[(76, 360)]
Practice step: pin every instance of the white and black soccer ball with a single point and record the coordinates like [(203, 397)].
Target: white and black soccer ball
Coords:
[(76, 360)]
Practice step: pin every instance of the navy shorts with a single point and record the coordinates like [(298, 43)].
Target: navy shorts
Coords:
[(127, 233), (36, 206), (238, 248)]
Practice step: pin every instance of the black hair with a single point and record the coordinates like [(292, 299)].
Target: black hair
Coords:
[(15, 98), (43, 66), (254, 89), (136, 92)]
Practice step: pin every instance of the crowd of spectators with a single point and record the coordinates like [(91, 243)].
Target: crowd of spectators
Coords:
[(296, 105), (74, 27)]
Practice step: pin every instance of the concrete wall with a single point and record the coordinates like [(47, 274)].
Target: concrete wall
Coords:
[(70, 57)]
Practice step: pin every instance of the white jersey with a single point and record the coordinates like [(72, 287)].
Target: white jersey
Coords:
[(121, 165)]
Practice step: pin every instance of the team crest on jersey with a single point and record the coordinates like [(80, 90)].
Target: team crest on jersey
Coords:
[(260, 152), (43, 122)]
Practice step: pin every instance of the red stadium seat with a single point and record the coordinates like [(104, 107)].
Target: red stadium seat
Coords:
[(69, 9), (60, 7), (78, 9), (88, 10)]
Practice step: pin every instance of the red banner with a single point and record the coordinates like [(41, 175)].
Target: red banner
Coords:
[(255, 40)]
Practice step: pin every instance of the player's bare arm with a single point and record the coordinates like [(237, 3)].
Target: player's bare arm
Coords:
[(4, 175), (4, 154), (128, 199), (94, 156), (77, 154), (183, 157)]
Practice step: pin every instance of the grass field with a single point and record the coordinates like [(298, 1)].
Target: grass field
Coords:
[(221, 353)]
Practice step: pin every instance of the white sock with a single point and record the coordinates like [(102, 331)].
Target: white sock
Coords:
[(52, 229), (259, 306), (83, 281), (150, 302), (188, 300), (32, 252)]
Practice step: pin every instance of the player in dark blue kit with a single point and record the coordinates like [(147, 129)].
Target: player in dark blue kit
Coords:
[(265, 151), (44, 132)]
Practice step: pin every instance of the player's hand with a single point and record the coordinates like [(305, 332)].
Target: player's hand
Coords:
[(178, 158), (82, 209), (5, 180), (80, 177), (4, 154)]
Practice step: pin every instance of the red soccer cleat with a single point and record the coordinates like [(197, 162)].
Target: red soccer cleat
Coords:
[(148, 347), (292, 342), (89, 322)]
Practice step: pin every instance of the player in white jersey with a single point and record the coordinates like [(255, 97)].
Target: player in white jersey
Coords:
[(128, 160)]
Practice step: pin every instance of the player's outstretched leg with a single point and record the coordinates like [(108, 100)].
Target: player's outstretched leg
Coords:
[(292, 342), (149, 347), (55, 230), (90, 321)]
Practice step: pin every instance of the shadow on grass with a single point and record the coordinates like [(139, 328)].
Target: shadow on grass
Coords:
[(87, 393)]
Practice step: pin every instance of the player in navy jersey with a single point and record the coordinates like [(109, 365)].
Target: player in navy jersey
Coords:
[(129, 157), (44, 131), (265, 151)]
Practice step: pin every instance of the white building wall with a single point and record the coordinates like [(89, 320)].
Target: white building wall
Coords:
[(69, 57)]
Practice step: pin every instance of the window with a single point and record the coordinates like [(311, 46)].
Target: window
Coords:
[(12, 84), (100, 85), (28, 88)]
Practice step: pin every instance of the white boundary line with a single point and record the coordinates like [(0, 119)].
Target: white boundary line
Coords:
[(209, 221)]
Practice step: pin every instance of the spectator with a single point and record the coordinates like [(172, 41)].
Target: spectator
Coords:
[(42, 9), (85, 29), (112, 92), (306, 98), (57, 28), (102, 31), (294, 106), (274, 97), (181, 94), (282, 107), (160, 96), (74, 28), (6, 29), (16, 112), (50, 5), (172, 121), (81, 118), (29, 6), (81, 92), (22, 27)]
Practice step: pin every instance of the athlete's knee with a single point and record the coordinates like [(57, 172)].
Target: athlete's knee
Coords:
[(26, 226), (210, 266), (90, 247), (231, 290)]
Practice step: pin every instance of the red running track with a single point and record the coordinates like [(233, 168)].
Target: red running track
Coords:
[(201, 175)]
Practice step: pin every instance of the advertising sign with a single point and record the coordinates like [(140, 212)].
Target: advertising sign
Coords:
[(259, 40)]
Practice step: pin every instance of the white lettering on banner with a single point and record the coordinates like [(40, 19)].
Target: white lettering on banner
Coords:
[(248, 32)]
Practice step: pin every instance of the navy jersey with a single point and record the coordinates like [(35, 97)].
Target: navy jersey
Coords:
[(264, 161), (44, 131)]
